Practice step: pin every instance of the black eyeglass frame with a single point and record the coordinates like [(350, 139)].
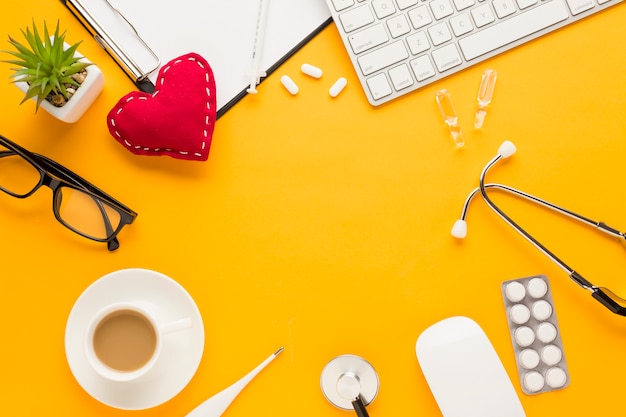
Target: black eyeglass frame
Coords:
[(55, 176)]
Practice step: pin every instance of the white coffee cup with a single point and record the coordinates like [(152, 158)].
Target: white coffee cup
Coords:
[(123, 341)]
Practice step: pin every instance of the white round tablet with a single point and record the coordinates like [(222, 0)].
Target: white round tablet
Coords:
[(556, 377), (529, 358), (533, 381), (524, 336), (519, 314), (551, 355), (537, 287), (515, 291), (542, 310), (546, 332)]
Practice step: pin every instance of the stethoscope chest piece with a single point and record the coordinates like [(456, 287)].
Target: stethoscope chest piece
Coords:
[(347, 378)]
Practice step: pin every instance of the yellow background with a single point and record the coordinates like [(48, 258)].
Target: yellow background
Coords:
[(323, 225)]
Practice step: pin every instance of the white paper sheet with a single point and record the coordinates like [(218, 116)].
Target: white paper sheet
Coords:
[(222, 31)]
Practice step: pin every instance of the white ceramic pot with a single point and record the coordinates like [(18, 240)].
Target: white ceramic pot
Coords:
[(80, 101)]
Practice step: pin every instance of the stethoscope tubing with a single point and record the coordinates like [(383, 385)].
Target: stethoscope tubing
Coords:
[(606, 297), (483, 191), (596, 225)]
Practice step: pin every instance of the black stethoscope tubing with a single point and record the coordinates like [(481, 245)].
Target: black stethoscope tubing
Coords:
[(603, 295)]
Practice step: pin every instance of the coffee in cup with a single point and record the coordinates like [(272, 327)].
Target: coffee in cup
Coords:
[(124, 340)]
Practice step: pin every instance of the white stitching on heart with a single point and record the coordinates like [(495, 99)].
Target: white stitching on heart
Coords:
[(205, 131)]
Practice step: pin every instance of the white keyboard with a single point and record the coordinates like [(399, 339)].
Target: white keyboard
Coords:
[(398, 46)]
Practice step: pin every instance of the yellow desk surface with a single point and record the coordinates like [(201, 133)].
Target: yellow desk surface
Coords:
[(323, 225)]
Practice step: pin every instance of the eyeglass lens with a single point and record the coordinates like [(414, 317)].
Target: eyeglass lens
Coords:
[(78, 210), (85, 213), (17, 176)]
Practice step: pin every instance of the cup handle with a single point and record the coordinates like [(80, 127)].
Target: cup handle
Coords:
[(176, 325)]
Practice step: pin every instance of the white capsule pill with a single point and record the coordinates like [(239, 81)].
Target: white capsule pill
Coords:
[(288, 83), (537, 288), (556, 377), (551, 355), (533, 381), (542, 310), (519, 314), (311, 71), (546, 332), (524, 336), (529, 358), (515, 291), (338, 87)]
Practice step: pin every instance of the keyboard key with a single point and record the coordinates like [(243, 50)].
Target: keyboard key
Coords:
[(461, 24), (405, 4), (420, 17), (524, 4), (513, 29), (447, 57), (368, 38), (379, 86), (441, 8), (579, 6), (504, 8), (356, 18), (401, 77), (482, 15), (383, 57), (383, 8), (342, 4), (418, 42), (463, 4), (423, 68), (398, 26), (439, 33)]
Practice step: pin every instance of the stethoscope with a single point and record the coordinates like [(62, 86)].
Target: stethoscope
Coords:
[(350, 382), (605, 296)]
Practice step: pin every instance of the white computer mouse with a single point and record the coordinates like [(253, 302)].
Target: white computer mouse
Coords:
[(464, 371)]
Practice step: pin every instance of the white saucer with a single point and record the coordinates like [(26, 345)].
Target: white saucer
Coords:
[(181, 353)]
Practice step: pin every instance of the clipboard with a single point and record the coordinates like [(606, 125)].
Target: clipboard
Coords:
[(142, 35)]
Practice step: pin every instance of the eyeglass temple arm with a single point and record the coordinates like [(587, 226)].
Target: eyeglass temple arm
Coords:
[(76, 179), (112, 244)]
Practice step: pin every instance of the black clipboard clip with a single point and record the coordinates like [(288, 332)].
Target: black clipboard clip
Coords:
[(112, 47)]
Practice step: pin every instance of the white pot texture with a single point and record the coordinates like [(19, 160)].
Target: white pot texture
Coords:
[(80, 101)]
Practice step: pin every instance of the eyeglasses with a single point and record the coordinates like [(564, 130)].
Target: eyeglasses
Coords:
[(605, 296), (77, 204)]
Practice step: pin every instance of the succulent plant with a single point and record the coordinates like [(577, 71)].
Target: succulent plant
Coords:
[(45, 64)]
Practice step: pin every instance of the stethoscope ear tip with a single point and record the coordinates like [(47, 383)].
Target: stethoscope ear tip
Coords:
[(507, 149), (459, 230)]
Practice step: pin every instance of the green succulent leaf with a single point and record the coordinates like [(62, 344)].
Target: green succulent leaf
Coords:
[(44, 62)]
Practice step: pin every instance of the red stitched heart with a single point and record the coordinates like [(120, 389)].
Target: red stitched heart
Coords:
[(177, 119)]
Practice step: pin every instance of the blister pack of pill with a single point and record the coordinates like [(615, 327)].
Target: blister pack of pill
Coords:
[(535, 334)]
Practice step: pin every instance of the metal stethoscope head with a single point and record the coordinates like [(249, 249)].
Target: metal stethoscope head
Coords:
[(350, 382), (605, 296)]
